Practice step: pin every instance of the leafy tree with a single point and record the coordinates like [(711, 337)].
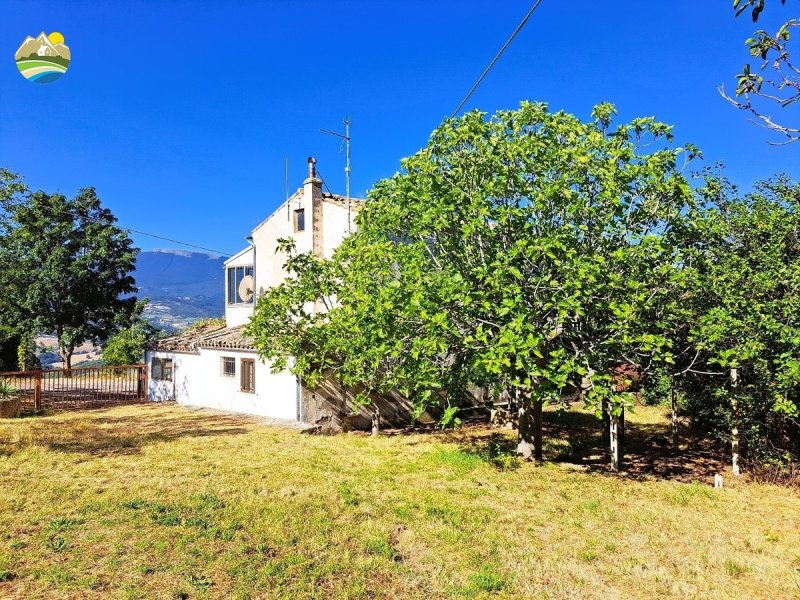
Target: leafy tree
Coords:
[(528, 251), (66, 265), (743, 281), (756, 90), (127, 346)]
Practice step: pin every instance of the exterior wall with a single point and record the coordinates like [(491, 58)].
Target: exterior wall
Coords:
[(269, 264), (334, 220), (197, 381), (325, 228), (238, 314)]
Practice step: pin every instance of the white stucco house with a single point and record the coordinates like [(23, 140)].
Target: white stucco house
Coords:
[(218, 367)]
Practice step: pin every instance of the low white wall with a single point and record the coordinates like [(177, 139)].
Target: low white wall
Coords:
[(238, 314), (197, 381)]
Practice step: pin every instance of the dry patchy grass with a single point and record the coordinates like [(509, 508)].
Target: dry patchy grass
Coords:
[(153, 501)]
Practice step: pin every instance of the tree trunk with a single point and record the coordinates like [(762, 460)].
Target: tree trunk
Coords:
[(735, 423), (606, 437), (526, 428), (513, 408), (66, 356), (537, 430), (376, 420), (343, 405), (675, 439), (615, 435)]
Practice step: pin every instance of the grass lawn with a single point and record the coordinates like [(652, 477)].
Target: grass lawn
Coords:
[(150, 501)]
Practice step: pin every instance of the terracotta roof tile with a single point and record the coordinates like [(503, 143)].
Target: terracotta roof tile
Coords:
[(212, 336)]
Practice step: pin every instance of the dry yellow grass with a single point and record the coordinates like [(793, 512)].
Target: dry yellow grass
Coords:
[(158, 502)]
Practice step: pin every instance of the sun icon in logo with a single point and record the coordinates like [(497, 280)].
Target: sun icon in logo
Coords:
[(43, 59)]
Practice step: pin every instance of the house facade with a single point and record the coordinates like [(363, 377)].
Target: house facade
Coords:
[(218, 366)]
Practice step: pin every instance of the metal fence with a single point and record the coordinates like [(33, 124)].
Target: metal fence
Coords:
[(78, 388)]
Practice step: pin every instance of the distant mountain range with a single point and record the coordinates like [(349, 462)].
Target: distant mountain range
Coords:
[(182, 286)]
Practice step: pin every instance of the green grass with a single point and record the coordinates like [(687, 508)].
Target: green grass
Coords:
[(158, 502)]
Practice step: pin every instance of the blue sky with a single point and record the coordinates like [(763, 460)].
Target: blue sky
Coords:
[(181, 113)]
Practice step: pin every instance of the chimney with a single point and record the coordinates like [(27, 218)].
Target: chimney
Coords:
[(312, 172), (312, 192)]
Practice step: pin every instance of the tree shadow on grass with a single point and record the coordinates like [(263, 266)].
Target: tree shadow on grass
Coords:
[(574, 438), (98, 433)]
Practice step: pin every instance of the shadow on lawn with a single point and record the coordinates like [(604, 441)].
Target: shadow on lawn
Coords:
[(573, 438), (98, 434), (698, 458)]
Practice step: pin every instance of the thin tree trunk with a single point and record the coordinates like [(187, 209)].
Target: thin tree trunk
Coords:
[(537, 430), (513, 408), (343, 405), (66, 356), (606, 436), (735, 423), (526, 442), (675, 438), (376, 419), (615, 435)]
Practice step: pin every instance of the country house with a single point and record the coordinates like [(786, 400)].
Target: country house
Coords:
[(218, 366)]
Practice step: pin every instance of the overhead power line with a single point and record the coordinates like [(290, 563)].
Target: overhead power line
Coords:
[(187, 244), (497, 57), (152, 235)]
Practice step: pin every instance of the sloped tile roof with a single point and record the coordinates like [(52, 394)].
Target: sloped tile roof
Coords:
[(210, 336)]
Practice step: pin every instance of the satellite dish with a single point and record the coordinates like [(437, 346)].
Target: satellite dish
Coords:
[(247, 288)]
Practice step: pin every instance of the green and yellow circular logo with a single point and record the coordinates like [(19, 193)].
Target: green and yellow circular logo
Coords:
[(43, 59)]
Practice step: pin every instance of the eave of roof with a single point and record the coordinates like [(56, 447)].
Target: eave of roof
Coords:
[(215, 337)]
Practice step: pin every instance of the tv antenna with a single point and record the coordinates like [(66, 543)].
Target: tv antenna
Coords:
[(346, 141)]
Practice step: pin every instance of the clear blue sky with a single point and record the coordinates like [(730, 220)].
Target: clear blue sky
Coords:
[(181, 113)]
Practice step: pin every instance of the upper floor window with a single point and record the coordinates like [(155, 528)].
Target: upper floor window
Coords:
[(300, 219), (238, 293)]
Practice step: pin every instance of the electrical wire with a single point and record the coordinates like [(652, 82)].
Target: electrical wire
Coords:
[(174, 241), (152, 235), (496, 58)]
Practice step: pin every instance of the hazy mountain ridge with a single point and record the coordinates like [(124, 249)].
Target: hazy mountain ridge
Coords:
[(182, 286)]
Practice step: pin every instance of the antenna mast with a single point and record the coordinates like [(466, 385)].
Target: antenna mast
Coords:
[(286, 182), (346, 141)]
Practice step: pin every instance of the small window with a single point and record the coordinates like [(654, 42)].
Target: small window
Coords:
[(228, 366), (161, 369), (248, 375), (300, 219)]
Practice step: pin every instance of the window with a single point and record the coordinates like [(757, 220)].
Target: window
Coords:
[(247, 375), (235, 276), (300, 219), (161, 369), (228, 366)]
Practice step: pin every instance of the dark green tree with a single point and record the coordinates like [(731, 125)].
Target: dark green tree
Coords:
[(66, 266)]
